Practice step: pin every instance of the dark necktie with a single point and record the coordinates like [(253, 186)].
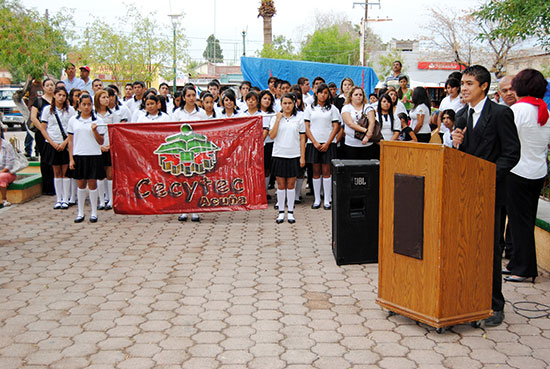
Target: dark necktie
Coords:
[(470, 122)]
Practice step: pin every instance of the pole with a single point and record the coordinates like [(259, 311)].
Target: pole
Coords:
[(174, 65), (244, 43), (365, 33)]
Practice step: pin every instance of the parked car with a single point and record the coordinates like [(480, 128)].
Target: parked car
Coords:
[(10, 114)]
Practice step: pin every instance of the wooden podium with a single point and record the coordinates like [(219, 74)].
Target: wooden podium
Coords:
[(437, 208)]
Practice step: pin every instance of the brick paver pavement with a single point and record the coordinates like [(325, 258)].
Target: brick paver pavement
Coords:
[(234, 291)]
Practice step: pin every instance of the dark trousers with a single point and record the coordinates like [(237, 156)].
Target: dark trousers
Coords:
[(505, 239), (46, 170), (497, 296), (362, 153), (28, 144), (424, 137), (522, 204)]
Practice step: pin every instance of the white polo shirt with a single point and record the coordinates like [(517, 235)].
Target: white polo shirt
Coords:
[(182, 115), (320, 121), (160, 117), (287, 142), (84, 142), (52, 126)]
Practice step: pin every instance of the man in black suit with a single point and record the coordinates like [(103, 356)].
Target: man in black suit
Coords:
[(487, 130)]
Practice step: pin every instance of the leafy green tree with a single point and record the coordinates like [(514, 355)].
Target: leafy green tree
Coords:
[(141, 54), (31, 45), (519, 18), (213, 52), (281, 48), (385, 64), (330, 45)]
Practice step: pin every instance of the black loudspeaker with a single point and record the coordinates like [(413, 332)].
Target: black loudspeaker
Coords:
[(355, 194)]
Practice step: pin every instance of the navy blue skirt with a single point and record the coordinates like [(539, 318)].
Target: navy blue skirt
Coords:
[(88, 167), (285, 167)]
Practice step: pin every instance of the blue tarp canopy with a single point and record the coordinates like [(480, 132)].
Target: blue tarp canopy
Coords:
[(547, 95), (258, 71)]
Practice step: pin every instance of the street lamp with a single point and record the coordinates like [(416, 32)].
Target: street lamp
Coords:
[(174, 18)]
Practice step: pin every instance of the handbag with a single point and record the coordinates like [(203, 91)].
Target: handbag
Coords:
[(21, 162), (364, 122), (30, 124)]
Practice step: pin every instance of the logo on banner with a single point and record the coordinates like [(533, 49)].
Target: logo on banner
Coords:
[(187, 153)]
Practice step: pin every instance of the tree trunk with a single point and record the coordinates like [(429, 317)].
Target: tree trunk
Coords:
[(268, 35)]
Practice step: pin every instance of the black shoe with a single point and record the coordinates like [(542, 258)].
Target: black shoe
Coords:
[(108, 207), (326, 207), (101, 207), (315, 206), (298, 201), (517, 278), (309, 193), (79, 219), (183, 218), (495, 320), (93, 219), (506, 271), (195, 218), (72, 203), (276, 207)]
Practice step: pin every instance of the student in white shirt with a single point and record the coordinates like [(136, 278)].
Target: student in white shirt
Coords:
[(420, 114), (391, 125), (121, 112), (134, 103), (153, 112), (287, 130), (105, 185), (244, 89), (86, 132), (208, 105), (448, 120), (189, 111), (451, 101), (229, 104), (356, 105), (398, 106), (266, 101), (164, 90), (322, 122), (55, 119)]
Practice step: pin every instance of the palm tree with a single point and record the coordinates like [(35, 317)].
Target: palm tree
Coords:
[(267, 11)]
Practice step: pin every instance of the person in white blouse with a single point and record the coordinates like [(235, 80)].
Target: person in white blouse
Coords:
[(105, 185), (451, 101), (389, 121), (153, 112), (322, 121), (229, 105), (288, 132), (189, 111), (355, 107), (55, 120), (420, 114), (527, 177)]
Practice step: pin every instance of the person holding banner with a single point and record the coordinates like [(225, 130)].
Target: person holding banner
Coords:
[(288, 132), (230, 109), (153, 112), (266, 109), (86, 132), (189, 111)]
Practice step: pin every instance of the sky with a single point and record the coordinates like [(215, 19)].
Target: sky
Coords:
[(227, 19)]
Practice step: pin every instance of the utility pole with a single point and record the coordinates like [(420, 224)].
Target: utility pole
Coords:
[(364, 25), (244, 43), (174, 18)]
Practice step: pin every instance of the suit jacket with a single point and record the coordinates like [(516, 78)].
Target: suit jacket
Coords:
[(494, 138)]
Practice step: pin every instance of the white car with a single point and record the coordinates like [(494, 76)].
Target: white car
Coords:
[(8, 111)]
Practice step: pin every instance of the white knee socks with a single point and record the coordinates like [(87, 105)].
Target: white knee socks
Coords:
[(93, 202), (110, 191), (81, 195), (290, 197), (281, 197), (317, 191), (327, 187), (101, 191), (74, 188), (58, 185), (66, 190)]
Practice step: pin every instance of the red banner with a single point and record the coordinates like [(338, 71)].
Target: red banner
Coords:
[(202, 166)]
